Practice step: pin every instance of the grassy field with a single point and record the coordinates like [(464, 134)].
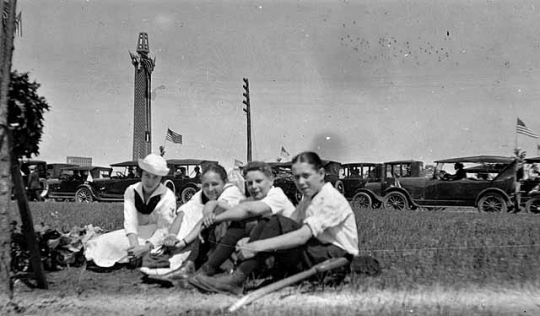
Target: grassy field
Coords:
[(414, 248), (434, 263)]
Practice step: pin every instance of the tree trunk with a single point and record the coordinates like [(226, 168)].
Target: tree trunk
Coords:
[(7, 29)]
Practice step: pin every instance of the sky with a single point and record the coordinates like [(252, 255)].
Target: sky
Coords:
[(355, 81)]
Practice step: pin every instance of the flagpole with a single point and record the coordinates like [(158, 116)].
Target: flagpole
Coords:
[(165, 138), (517, 118)]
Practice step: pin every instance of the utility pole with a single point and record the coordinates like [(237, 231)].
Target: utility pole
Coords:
[(247, 109)]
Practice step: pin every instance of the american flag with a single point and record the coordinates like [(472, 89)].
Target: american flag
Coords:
[(522, 129), (173, 137)]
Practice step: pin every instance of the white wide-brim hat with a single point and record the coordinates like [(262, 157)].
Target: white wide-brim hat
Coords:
[(154, 164)]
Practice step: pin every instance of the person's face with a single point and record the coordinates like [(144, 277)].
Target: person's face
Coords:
[(307, 179), (212, 185), (258, 184), (150, 181)]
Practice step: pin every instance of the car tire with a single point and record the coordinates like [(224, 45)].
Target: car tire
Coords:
[(362, 200), (533, 205), (339, 186), (395, 201), (492, 203), (84, 195), (187, 193)]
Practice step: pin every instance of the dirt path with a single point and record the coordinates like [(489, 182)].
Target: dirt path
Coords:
[(81, 292)]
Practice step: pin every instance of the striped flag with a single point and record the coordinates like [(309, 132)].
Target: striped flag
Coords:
[(522, 129), (173, 137)]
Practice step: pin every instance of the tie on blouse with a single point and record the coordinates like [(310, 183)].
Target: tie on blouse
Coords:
[(146, 209)]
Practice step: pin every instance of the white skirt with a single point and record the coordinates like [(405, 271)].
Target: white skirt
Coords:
[(108, 249)]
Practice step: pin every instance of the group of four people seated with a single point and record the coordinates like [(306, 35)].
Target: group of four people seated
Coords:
[(219, 221)]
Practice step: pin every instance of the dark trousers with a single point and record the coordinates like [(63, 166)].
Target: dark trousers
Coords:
[(289, 261), (226, 247)]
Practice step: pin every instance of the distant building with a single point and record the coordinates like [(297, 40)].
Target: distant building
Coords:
[(81, 161)]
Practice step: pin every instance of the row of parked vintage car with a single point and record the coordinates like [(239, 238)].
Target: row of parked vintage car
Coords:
[(61, 182), (489, 184)]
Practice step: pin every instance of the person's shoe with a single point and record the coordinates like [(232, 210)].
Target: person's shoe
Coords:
[(223, 283), (185, 271), (206, 270)]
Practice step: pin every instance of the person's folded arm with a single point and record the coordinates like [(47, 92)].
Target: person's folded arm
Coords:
[(286, 241), (243, 211)]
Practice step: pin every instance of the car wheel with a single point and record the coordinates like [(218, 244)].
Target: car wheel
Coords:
[(395, 201), (187, 193), (361, 200), (83, 195), (533, 205), (492, 203), (339, 186)]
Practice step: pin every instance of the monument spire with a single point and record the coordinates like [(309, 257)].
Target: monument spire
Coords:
[(142, 119)]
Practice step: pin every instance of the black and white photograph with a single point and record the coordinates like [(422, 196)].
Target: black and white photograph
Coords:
[(259, 157)]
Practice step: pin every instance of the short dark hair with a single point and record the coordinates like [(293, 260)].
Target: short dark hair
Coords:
[(258, 166), (217, 168), (309, 157)]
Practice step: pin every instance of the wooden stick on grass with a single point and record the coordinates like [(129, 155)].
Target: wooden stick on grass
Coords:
[(327, 265)]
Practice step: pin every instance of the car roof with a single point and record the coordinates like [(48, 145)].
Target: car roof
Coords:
[(360, 163), (532, 159), (401, 161), (189, 161), (484, 158), (86, 168), (289, 163), (125, 163), (62, 164), (32, 161)]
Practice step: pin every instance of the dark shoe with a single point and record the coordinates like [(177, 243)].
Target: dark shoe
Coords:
[(206, 270), (185, 271), (223, 283)]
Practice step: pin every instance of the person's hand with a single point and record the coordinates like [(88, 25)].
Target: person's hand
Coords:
[(209, 208), (170, 241), (139, 250), (244, 249), (208, 220)]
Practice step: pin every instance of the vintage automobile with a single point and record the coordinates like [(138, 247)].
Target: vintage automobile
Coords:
[(74, 183), (530, 185), (55, 169), (375, 179), (283, 178), (182, 179), (488, 185), (355, 176)]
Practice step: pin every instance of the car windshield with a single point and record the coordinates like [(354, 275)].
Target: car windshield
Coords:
[(359, 171), (399, 169), (473, 170)]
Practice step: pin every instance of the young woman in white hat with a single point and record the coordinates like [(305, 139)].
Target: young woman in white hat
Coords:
[(149, 211)]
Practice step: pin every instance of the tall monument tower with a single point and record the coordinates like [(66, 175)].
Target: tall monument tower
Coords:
[(142, 127)]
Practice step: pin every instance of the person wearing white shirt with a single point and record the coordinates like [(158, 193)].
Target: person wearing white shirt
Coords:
[(322, 227)]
